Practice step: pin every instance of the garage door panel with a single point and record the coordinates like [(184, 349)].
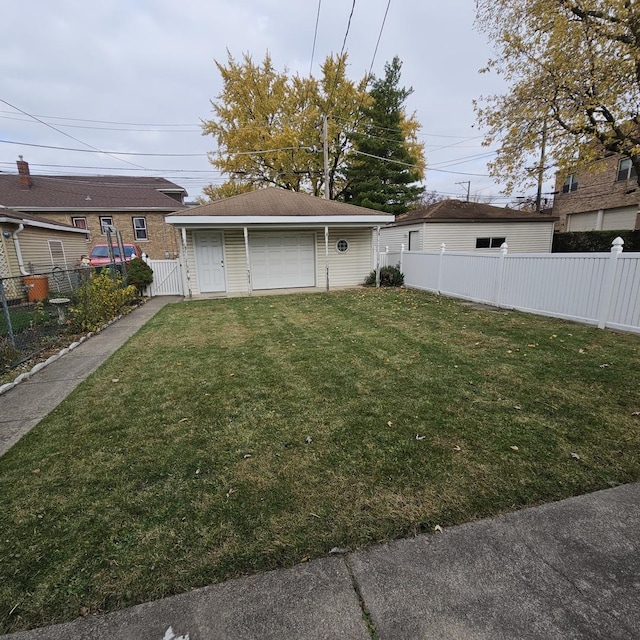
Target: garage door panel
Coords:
[(282, 260)]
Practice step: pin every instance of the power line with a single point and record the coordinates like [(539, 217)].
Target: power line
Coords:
[(344, 42), (315, 36), (109, 153), (132, 124), (81, 126), (86, 144), (379, 36)]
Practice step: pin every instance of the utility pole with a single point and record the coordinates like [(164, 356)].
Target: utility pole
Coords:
[(325, 144), (541, 167), (468, 183)]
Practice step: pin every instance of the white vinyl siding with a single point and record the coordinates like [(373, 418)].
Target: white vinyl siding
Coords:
[(521, 237), (235, 261), (395, 237), (345, 269), (34, 244)]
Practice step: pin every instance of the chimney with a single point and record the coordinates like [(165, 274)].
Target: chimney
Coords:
[(23, 172)]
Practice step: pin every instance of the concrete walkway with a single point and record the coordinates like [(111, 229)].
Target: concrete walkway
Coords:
[(566, 570), (23, 406)]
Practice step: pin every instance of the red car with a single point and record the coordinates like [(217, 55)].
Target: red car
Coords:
[(99, 254)]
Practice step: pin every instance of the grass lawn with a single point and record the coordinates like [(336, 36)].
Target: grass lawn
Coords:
[(233, 436)]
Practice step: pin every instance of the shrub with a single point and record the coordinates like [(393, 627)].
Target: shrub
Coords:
[(139, 274), (389, 277), (599, 241), (98, 301), (9, 355)]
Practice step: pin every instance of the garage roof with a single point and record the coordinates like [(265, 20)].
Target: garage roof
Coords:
[(274, 205)]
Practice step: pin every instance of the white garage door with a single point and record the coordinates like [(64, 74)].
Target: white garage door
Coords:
[(282, 260)]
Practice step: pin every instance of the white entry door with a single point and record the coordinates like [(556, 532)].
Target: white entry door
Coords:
[(282, 260), (210, 261)]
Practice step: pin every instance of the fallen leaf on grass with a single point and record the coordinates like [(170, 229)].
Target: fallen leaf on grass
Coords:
[(389, 424), (604, 366), (338, 551), (438, 529), (575, 456), (636, 413), (184, 420), (247, 456), (308, 440), (36, 471), (230, 492), (457, 448), (582, 351), (115, 379), (514, 447), (518, 407), (418, 437)]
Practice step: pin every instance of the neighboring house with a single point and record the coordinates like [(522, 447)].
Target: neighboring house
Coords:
[(275, 239), (30, 245), (602, 197), (134, 205), (469, 226)]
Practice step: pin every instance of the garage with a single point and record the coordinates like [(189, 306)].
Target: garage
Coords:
[(285, 260)]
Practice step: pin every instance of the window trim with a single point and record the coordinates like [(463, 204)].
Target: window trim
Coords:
[(136, 229), (339, 242), (628, 173), (490, 242), (570, 184), (74, 219), (103, 231)]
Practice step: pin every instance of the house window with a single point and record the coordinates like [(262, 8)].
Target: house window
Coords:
[(140, 229), (106, 222), (414, 238), (342, 246), (79, 223), (489, 243), (626, 170), (570, 184)]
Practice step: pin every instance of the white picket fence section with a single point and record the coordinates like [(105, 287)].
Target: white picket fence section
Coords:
[(167, 278), (601, 289)]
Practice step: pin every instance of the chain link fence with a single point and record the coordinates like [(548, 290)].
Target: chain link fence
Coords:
[(34, 311)]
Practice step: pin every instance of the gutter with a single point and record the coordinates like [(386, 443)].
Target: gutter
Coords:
[(16, 243)]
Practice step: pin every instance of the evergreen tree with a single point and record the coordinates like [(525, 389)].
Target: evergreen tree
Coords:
[(387, 159)]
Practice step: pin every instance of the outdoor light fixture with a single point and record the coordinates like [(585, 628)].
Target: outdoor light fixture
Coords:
[(6, 234)]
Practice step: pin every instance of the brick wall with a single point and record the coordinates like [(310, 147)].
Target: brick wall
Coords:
[(597, 189), (162, 238)]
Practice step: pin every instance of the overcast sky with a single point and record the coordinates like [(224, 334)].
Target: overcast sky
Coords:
[(81, 65)]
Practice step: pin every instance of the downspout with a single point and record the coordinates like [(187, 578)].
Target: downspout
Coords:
[(186, 260), (16, 243)]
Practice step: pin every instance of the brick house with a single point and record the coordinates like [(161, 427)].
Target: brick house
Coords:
[(604, 196), (135, 205)]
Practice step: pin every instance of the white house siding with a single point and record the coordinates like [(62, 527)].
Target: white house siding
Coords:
[(623, 218), (522, 237), (395, 237), (190, 265), (235, 260), (345, 269), (34, 245)]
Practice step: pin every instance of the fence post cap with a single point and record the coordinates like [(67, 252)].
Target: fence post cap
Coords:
[(617, 244), (504, 247), (443, 246)]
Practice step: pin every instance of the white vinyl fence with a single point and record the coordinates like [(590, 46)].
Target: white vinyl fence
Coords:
[(601, 289), (167, 278)]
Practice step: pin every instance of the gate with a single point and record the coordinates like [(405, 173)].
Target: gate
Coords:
[(167, 278)]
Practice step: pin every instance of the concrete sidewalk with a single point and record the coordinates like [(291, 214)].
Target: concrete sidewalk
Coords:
[(566, 570), (23, 406)]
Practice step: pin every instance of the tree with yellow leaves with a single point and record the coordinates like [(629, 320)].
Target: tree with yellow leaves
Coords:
[(269, 126), (573, 71)]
